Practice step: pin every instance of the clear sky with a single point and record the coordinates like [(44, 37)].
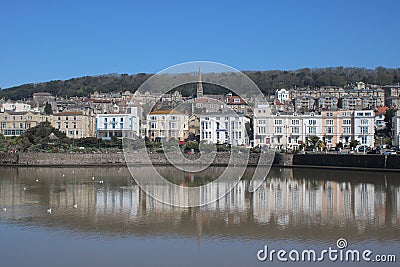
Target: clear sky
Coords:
[(48, 40)]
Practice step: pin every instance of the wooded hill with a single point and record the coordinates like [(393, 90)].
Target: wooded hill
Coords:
[(267, 81)]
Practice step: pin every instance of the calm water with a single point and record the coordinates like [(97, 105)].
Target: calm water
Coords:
[(117, 224)]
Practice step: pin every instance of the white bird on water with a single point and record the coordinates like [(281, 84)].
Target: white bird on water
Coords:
[(4, 209), (49, 211), (76, 206), (93, 178), (37, 180), (101, 182)]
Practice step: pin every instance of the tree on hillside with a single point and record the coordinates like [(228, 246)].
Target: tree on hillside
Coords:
[(48, 109), (267, 81)]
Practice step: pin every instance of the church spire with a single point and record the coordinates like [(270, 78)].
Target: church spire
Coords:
[(199, 92)]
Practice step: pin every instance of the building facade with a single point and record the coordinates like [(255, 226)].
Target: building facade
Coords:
[(396, 130), (282, 95), (74, 124), (118, 125), (16, 123), (165, 124), (364, 127), (224, 128)]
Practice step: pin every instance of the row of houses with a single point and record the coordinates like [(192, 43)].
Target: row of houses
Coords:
[(361, 96), (282, 130), (289, 130)]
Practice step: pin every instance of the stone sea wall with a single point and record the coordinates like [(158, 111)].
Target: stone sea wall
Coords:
[(80, 159), (378, 162)]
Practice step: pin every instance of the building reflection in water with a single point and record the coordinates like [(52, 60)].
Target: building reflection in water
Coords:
[(288, 199)]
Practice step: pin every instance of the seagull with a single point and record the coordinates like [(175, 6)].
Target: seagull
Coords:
[(76, 206), (63, 175), (49, 211), (4, 209), (24, 188), (101, 182), (37, 180), (92, 177)]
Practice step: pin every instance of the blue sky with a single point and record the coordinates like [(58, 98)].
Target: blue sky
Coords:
[(49, 40)]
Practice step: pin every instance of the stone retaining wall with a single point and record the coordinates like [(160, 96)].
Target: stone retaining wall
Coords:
[(222, 158), (348, 161), (77, 159)]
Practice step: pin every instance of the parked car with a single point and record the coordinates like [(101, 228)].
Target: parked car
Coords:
[(189, 151), (362, 149), (390, 152)]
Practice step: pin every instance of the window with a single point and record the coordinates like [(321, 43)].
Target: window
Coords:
[(364, 130), (121, 119), (364, 122), (329, 130), (153, 118), (295, 122), (312, 122), (295, 129), (312, 130), (278, 129), (66, 118), (346, 130), (172, 125), (66, 125), (261, 122), (152, 125), (261, 130), (329, 122), (329, 114), (74, 118), (346, 121), (3, 125), (173, 118), (364, 140), (278, 122)]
